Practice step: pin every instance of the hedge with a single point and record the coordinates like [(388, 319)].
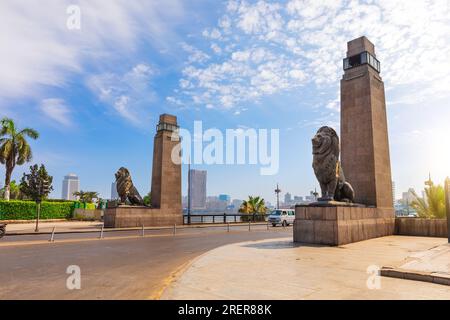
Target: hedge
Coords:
[(26, 210)]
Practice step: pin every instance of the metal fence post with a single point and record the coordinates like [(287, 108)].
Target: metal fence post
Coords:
[(174, 229), (224, 217), (101, 232), (143, 230), (249, 225), (52, 238), (228, 227)]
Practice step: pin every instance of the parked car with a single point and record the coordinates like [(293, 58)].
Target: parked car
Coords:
[(2, 230), (282, 217)]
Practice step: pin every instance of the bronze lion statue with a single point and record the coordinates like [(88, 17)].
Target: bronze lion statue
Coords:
[(126, 190), (327, 167)]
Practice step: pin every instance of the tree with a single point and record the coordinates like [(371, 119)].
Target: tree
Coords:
[(433, 205), (86, 196), (253, 206), (14, 189), (37, 184), (148, 199), (14, 148)]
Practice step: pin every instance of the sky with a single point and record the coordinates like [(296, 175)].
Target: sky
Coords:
[(95, 92)]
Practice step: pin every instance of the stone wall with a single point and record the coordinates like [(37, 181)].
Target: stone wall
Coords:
[(130, 217), (421, 227), (84, 214), (339, 225)]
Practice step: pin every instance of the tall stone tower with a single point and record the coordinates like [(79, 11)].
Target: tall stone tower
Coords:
[(166, 174), (364, 132)]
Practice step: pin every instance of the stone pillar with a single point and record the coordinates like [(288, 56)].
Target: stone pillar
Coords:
[(166, 174), (364, 132)]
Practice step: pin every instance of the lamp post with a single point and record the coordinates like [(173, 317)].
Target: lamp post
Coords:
[(189, 193), (278, 191), (447, 205)]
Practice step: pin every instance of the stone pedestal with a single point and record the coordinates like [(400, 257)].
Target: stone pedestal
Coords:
[(341, 224), (129, 217)]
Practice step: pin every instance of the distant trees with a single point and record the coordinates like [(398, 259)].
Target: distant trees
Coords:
[(37, 184), (148, 199), (14, 191), (14, 149), (432, 205), (255, 207), (86, 196)]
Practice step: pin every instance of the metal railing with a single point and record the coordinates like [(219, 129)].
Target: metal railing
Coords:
[(204, 218)]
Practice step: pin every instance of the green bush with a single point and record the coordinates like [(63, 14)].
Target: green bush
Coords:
[(84, 205), (26, 210)]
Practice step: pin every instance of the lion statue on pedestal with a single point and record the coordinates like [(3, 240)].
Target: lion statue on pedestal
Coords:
[(328, 169), (126, 189)]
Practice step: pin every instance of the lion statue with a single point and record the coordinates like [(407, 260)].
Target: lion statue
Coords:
[(327, 167), (126, 189)]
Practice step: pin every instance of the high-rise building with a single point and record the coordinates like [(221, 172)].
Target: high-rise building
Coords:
[(224, 197), (393, 193), (287, 198), (70, 185), (197, 189), (408, 197), (114, 194)]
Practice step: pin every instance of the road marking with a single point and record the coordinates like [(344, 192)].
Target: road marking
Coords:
[(167, 281), (63, 241)]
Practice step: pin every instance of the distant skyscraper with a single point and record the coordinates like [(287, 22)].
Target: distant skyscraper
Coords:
[(224, 197), (70, 185), (197, 189), (393, 193), (114, 194), (287, 198)]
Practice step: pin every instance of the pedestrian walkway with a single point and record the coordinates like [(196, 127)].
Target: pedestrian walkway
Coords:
[(61, 226), (432, 265), (280, 269)]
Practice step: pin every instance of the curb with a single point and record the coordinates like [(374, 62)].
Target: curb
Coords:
[(217, 225), (432, 277)]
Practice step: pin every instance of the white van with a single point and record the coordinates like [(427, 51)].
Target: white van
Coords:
[(283, 217)]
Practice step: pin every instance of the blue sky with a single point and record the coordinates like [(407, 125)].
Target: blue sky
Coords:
[(95, 94)]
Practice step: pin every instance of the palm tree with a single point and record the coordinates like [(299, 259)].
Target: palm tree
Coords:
[(14, 148), (254, 205), (433, 205), (86, 196)]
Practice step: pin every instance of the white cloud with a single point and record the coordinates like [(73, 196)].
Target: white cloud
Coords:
[(129, 94), (195, 55), (57, 110), (276, 46), (38, 51)]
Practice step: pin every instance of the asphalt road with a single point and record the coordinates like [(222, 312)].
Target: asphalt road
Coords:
[(121, 266)]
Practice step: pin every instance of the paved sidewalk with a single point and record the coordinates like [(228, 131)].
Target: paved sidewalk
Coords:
[(61, 226), (280, 269), (431, 265)]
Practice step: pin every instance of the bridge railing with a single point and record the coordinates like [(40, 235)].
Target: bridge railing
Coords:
[(224, 218)]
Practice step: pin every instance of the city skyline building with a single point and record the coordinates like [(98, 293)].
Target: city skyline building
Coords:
[(70, 185), (114, 194), (197, 189)]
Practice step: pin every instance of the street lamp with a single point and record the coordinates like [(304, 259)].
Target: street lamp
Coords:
[(278, 191)]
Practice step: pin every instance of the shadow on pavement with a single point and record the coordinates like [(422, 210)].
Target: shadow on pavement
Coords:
[(281, 244)]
